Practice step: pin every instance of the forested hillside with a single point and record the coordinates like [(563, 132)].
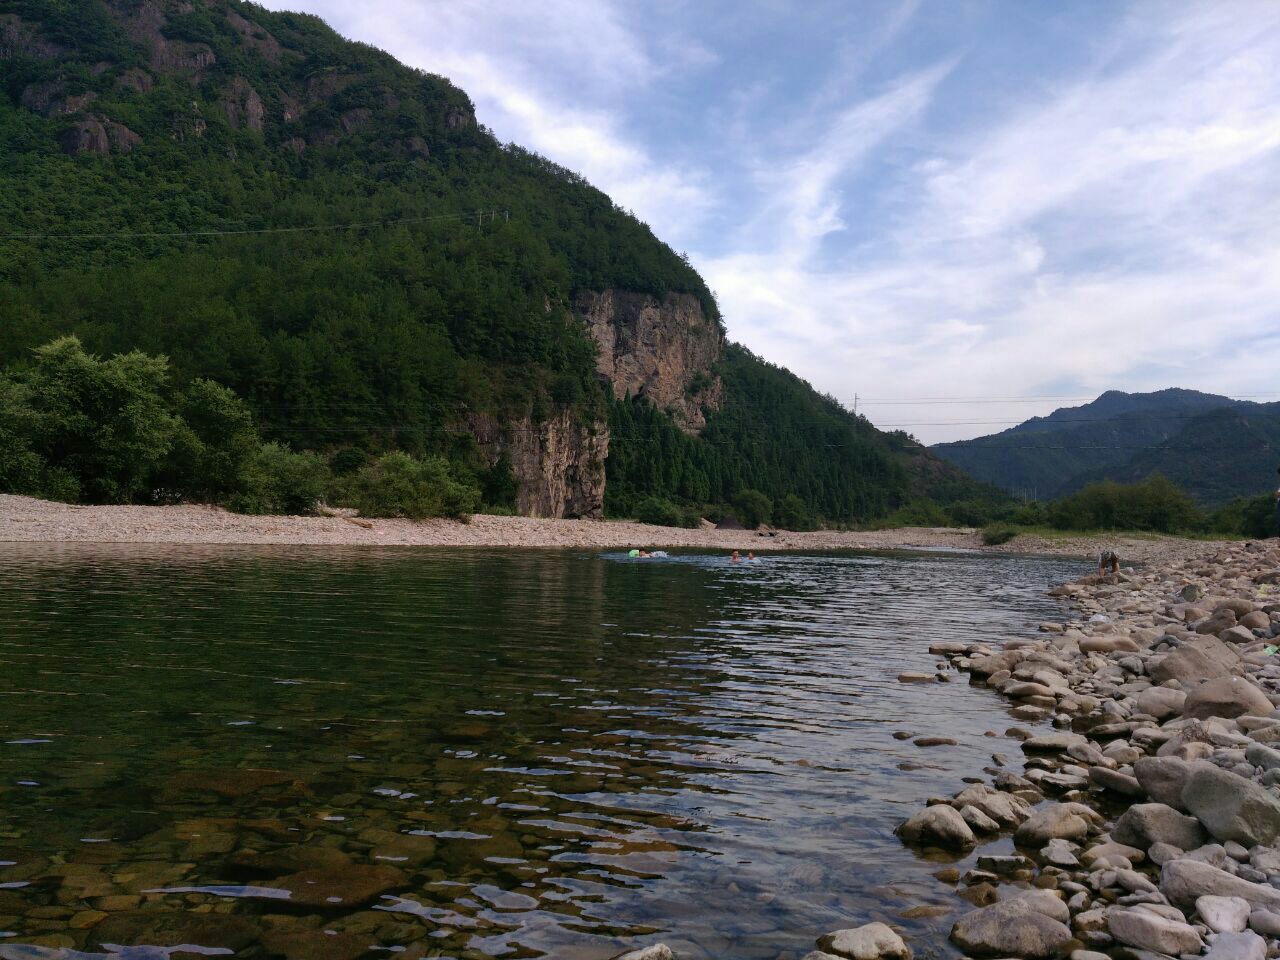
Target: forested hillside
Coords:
[(1214, 447), (334, 237)]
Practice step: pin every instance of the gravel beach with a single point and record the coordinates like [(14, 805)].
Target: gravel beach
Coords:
[(26, 520)]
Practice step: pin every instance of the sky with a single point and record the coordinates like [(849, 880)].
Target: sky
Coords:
[(961, 213)]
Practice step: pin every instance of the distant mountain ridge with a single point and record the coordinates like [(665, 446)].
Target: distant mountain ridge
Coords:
[(1215, 447)]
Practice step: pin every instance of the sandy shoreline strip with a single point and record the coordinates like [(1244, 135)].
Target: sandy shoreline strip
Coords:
[(27, 520)]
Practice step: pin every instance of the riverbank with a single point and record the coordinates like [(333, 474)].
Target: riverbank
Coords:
[(27, 520), (1149, 825)]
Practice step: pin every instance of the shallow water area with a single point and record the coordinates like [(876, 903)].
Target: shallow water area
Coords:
[(317, 752)]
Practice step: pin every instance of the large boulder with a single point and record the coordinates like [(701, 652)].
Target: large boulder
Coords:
[(1163, 778), (1223, 914), (872, 941), (1149, 931), (938, 826), (1184, 881), (1226, 697), (1202, 659), (1245, 945), (1161, 702), (1261, 755), (1053, 821), (1146, 823), (1011, 928), (1231, 807)]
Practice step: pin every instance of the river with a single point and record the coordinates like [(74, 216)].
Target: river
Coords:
[(535, 753)]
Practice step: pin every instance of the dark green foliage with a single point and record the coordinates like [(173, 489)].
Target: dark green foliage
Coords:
[(752, 508), (347, 461), (775, 434), (217, 438), (792, 513), (1213, 447), (279, 480), (1254, 517), (919, 513), (997, 534), (499, 485), (1154, 504), (84, 428), (659, 512), (397, 485)]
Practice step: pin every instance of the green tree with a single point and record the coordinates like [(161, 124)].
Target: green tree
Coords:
[(103, 423), (397, 485), (278, 480), (752, 508)]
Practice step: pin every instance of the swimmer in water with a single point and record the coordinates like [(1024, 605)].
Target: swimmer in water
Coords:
[(750, 555), (733, 557)]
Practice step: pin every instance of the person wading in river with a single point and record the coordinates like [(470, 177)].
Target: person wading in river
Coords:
[(1108, 558)]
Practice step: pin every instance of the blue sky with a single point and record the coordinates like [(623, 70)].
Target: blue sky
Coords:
[(917, 198)]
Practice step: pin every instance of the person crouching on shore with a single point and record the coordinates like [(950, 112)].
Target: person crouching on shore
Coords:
[(1108, 558)]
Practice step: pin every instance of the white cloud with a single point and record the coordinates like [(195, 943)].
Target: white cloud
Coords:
[(1118, 234)]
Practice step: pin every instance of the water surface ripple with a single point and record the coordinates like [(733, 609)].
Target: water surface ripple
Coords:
[(479, 754)]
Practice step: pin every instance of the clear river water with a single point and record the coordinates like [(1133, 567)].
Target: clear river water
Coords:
[(473, 754)]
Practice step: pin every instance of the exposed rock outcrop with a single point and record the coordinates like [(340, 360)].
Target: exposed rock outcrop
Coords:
[(100, 136), (50, 99), (558, 462), (663, 351), (21, 40), (242, 105)]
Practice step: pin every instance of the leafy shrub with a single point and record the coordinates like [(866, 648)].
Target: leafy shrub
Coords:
[(499, 486), (752, 508), (103, 425), (277, 480), (971, 513), (659, 512), (347, 461), (1252, 517), (1155, 504), (919, 513), (215, 439), (793, 514), (997, 534), (397, 485)]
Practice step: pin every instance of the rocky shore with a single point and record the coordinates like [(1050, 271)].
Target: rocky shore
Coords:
[(26, 520), (1148, 826)]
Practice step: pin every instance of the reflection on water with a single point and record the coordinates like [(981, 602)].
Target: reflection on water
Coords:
[(284, 752)]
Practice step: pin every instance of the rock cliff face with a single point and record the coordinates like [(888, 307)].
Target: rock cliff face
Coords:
[(558, 462), (663, 350)]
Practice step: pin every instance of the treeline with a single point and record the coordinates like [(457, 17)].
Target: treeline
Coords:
[(80, 428), (1154, 505), (798, 458)]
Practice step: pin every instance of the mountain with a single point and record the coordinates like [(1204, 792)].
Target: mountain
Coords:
[(1215, 447), (334, 236)]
